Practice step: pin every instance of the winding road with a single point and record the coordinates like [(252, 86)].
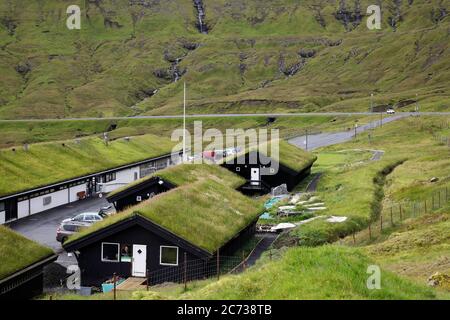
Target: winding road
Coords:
[(320, 140)]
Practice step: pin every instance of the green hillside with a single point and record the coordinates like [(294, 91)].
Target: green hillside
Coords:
[(257, 56)]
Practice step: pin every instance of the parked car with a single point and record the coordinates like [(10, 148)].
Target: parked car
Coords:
[(87, 217), (68, 228), (390, 111)]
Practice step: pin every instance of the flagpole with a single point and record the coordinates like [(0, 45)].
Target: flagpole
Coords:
[(184, 123)]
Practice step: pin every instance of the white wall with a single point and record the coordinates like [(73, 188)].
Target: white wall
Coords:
[(58, 199), (23, 209), (126, 175), (2, 217), (74, 190)]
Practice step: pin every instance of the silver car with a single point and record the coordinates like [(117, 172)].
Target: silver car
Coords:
[(68, 228), (87, 217)]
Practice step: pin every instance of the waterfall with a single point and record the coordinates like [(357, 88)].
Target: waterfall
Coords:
[(201, 25)]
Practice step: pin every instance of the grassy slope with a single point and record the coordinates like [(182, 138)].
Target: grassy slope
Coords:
[(357, 191), (216, 213), (22, 254), (30, 169), (327, 272), (103, 71), (417, 249)]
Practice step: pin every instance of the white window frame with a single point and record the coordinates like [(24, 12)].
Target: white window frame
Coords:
[(160, 255), (118, 252)]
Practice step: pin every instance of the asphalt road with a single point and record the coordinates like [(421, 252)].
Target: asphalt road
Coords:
[(42, 227), (304, 114), (330, 138)]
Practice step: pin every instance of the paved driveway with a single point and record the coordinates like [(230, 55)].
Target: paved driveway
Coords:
[(42, 227)]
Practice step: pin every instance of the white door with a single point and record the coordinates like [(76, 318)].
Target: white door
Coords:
[(139, 260), (254, 177)]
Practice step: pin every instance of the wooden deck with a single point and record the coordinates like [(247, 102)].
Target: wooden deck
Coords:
[(132, 283)]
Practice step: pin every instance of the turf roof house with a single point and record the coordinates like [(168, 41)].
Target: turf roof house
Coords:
[(47, 175), (293, 165), (167, 179), (193, 221), (21, 265)]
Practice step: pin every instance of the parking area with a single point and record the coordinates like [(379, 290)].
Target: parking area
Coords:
[(42, 227)]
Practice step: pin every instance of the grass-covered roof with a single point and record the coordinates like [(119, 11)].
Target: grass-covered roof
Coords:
[(18, 252), (48, 163), (289, 155), (206, 213), (188, 173)]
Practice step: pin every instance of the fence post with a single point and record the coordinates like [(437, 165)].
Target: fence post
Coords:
[(432, 203), (370, 231), (381, 222), (185, 271), (392, 218), (354, 239), (243, 260), (425, 203), (270, 254), (439, 193), (148, 279), (218, 265), (115, 285), (446, 193), (401, 216)]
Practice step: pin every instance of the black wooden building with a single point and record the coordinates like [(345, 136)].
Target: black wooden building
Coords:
[(142, 190), (263, 172), (22, 266), (168, 237)]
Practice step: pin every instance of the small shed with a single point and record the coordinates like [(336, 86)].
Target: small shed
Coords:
[(21, 266)]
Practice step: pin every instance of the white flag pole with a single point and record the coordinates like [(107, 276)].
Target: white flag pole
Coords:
[(184, 124)]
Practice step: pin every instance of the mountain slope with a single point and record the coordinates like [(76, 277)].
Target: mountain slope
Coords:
[(283, 55)]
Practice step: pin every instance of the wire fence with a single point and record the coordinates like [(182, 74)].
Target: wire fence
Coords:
[(443, 140), (393, 214)]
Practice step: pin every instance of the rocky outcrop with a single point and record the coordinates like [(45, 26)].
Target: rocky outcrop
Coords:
[(350, 19), (438, 14), (395, 14), (9, 24), (23, 68), (307, 53)]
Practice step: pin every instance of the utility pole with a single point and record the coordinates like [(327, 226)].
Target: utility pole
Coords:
[(417, 104), (306, 141), (381, 118), (371, 102), (184, 123), (356, 127)]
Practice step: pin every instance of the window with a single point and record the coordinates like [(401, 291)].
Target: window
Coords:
[(110, 252), (135, 176), (2, 206), (126, 253), (168, 256), (46, 201), (110, 177)]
